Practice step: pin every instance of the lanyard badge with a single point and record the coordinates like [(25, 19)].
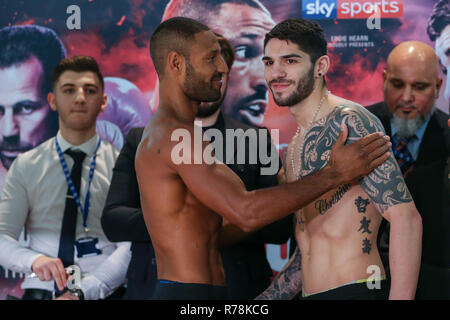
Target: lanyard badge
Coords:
[(84, 210)]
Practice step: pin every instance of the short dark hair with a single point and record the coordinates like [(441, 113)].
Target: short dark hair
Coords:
[(20, 43), (201, 10), (439, 19), (308, 35), (226, 50), (78, 64), (175, 34)]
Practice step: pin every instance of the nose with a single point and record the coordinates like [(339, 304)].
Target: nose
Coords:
[(222, 66), (80, 96), (8, 124), (408, 94), (256, 74)]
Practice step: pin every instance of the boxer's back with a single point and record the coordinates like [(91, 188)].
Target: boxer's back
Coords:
[(184, 232)]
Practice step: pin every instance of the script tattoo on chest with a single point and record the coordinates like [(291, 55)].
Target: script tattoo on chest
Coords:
[(323, 205)]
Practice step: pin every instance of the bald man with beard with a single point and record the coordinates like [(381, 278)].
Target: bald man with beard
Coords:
[(409, 115)]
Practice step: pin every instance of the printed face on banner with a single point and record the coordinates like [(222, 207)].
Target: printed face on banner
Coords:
[(78, 98), (245, 27), (289, 72), (23, 110), (443, 52)]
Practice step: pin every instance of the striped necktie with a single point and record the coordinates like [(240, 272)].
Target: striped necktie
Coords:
[(402, 154)]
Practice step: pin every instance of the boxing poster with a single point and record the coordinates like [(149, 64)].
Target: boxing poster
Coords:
[(360, 35)]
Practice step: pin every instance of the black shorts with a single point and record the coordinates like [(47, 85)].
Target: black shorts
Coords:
[(170, 290), (356, 291)]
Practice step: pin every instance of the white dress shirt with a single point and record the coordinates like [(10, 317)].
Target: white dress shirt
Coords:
[(34, 195)]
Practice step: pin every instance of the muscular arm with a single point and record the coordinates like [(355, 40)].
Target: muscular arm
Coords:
[(218, 188), (388, 192), (288, 282), (277, 232), (122, 218)]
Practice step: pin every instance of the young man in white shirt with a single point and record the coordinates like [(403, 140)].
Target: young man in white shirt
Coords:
[(38, 191)]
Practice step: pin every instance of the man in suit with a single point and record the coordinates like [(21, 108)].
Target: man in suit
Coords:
[(246, 267), (410, 117)]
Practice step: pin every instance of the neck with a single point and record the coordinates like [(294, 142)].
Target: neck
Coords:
[(209, 121), (77, 137), (305, 109), (172, 99)]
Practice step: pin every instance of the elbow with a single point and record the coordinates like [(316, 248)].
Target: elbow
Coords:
[(245, 216), (417, 221), (107, 224)]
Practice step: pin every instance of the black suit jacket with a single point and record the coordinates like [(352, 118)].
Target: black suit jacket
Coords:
[(246, 267), (426, 184)]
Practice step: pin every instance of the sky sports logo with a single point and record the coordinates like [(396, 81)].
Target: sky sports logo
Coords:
[(351, 9)]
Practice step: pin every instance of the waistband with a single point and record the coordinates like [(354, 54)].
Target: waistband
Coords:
[(173, 290), (383, 277)]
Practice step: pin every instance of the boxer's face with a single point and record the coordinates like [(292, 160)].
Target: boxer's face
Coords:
[(204, 68), (23, 110), (78, 98), (288, 72), (245, 27)]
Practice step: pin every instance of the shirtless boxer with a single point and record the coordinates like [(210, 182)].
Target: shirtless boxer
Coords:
[(183, 204), (336, 232)]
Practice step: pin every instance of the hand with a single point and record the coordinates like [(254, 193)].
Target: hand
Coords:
[(67, 296), (352, 162), (50, 268)]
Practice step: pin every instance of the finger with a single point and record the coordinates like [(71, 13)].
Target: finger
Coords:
[(342, 135), (40, 274), (364, 141), (379, 151), (59, 278), (62, 271), (377, 144), (47, 273), (378, 161)]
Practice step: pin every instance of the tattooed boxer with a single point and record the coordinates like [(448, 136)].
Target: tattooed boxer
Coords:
[(336, 232)]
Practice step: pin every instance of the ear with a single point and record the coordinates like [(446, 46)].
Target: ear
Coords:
[(322, 66), (104, 103), (438, 85), (384, 75), (51, 101), (175, 62)]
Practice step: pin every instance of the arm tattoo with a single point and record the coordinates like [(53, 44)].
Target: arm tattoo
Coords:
[(317, 149), (288, 283), (385, 185)]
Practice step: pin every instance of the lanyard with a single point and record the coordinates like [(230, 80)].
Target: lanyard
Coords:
[(76, 197)]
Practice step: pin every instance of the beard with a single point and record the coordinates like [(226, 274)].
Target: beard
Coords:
[(304, 88), (407, 127), (197, 88), (206, 109)]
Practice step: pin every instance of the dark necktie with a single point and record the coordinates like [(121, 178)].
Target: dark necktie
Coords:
[(402, 154), (67, 238)]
